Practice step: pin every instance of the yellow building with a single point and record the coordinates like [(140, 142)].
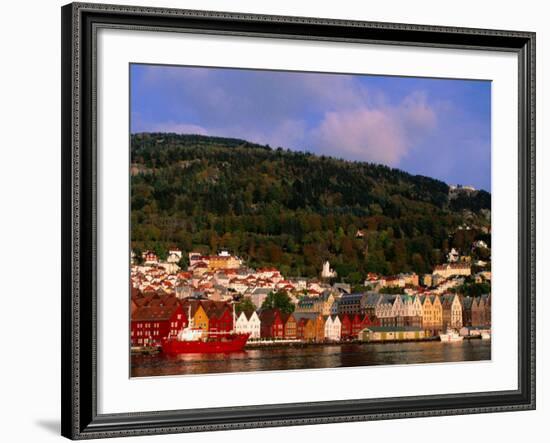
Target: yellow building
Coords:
[(216, 262), (200, 319), (427, 312), (437, 308)]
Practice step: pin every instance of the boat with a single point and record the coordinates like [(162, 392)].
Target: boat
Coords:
[(450, 336), (191, 340), (486, 335)]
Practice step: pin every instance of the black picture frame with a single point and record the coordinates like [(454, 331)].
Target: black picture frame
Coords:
[(79, 170)]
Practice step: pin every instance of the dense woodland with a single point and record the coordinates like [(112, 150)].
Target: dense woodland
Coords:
[(293, 210)]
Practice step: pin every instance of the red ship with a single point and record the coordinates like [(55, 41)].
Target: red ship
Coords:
[(192, 340)]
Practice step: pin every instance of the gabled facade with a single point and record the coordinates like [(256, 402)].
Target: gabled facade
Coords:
[(333, 328), (248, 323), (152, 324), (306, 329), (345, 322), (437, 312), (290, 327), (200, 318), (220, 319), (351, 304), (356, 323), (452, 311), (271, 324)]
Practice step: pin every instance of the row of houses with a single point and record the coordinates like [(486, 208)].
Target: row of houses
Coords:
[(309, 327), (429, 312), (154, 319)]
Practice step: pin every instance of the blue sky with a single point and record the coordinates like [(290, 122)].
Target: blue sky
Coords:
[(435, 127)]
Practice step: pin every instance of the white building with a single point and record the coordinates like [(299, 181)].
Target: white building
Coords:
[(327, 272), (333, 328), (174, 255), (248, 324), (453, 256)]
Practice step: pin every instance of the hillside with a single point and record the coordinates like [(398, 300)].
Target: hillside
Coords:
[(292, 209)]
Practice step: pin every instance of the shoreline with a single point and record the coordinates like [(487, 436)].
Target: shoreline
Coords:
[(152, 350)]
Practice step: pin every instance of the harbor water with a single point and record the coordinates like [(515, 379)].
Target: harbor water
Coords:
[(311, 357)]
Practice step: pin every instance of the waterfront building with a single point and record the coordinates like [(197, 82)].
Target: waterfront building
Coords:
[(312, 325), (320, 328), (289, 326), (305, 328), (452, 311), (427, 312), (351, 304), (356, 323), (248, 322), (369, 320), (345, 322), (149, 325), (370, 303), (392, 333), (220, 318), (271, 324), (481, 311), (200, 318), (388, 308), (467, 306), (333, 328), (437, 312)]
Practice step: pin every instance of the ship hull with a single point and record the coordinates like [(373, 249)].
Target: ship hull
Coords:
[(231, 343)]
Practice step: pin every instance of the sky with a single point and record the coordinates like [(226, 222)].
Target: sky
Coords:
[(440, 128)]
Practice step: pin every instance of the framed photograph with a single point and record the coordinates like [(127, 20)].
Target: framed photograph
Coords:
[(275, 221)]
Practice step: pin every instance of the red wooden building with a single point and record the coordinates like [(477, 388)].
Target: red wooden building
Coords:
[(356, 322), (346, 326), (151, 324), (271, 324), (369, 320), (220, 319)]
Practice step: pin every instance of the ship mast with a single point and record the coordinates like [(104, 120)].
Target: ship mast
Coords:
[(234, 318), (190, 324)]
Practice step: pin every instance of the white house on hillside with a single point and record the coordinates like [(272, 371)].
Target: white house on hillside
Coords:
[(174, 255), (327, 272)]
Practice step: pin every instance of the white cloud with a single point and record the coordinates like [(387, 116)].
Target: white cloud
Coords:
[(382, 134)]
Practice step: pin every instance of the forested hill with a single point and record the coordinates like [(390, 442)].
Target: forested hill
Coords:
[(292, 209)]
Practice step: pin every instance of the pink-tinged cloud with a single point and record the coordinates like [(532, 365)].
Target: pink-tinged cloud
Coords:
[(417, 114), (380, 135), (369, 135)]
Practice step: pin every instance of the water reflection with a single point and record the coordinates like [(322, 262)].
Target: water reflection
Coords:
[(313, 357)]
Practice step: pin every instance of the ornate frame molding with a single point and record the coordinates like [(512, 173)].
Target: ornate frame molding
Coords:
[(79, 392)]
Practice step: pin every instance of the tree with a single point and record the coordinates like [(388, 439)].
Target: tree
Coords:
[(281, 207), (245, 305), (279, 300), (474, 289), (183, 262)]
